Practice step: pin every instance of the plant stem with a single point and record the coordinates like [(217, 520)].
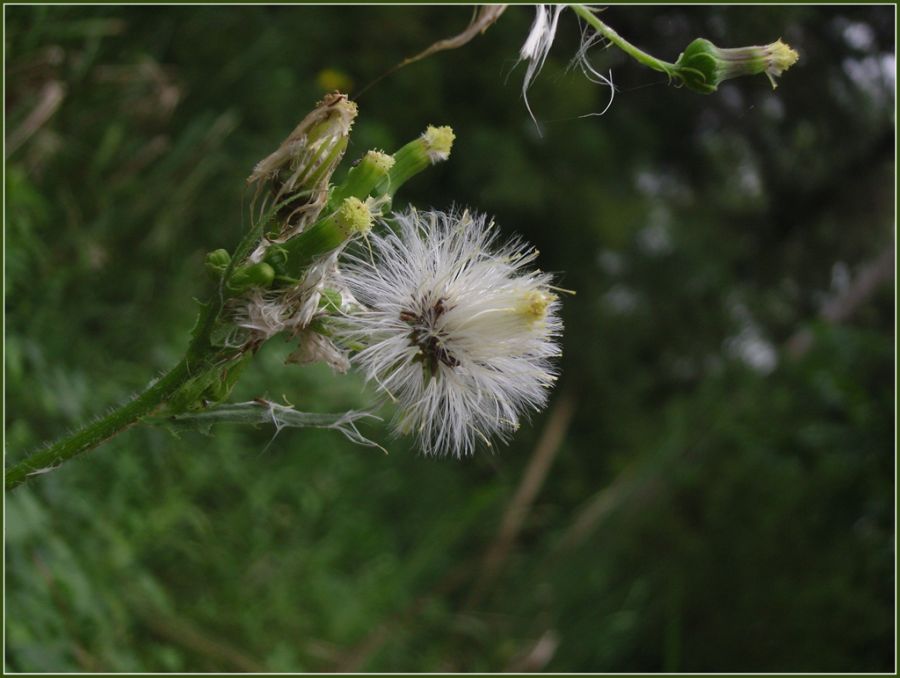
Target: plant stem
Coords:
[(92, 435), (620, 42)]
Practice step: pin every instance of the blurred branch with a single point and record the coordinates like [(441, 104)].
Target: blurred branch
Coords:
[(85, 659), (537, 656), (51, 97), (359, 655), (639, 482), (626, 484), (184, 634), (484, 17), (867, 282), (520, 505), (517, 511)]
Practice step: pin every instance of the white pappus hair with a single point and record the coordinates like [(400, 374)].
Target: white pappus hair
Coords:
[(454, 327), (537, 46)]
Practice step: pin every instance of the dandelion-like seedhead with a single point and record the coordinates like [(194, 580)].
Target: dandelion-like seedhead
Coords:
[(453, 326)]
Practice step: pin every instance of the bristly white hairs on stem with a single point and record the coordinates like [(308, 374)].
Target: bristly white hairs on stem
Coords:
[(537, 47), (453, 326)]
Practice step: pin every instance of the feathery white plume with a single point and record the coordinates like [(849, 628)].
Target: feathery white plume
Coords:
[(453, 327), (590, 38), (537, 47)]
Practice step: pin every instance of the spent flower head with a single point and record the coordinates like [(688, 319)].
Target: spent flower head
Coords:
[(296, 175), (453, 326)]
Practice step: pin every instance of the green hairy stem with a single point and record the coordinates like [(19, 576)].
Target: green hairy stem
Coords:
[(199, 358), (92, 435), (620, 42)]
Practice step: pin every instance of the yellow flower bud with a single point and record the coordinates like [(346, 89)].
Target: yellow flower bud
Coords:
[(353, 216), (438, 142)]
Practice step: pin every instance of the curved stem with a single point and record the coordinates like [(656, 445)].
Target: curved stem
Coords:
[(92, 435), (620, 42)]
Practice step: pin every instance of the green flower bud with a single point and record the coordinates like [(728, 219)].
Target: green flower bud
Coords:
[(431, 147), (252, 275), (352, 217), (217, 261), (364, 177), (703, 66), (276, 256), (438, 142)]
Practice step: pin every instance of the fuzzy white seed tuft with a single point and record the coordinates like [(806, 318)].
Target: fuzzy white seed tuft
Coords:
[(454, 327), (537, 47)]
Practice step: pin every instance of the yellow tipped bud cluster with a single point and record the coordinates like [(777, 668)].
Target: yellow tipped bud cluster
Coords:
[(438, 142), (367, 173), (780, 58), (380, 160), (703, 66), (353, 216), (321, 217), (431, 147)]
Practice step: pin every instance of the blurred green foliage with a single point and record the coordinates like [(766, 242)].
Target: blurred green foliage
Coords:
[(717, 503)]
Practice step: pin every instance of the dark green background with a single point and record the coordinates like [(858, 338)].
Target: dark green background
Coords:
[(717, 502)]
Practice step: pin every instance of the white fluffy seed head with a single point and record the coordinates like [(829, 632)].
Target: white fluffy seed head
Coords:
[(454, 327)]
